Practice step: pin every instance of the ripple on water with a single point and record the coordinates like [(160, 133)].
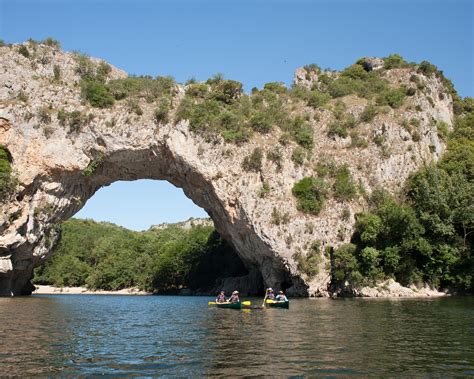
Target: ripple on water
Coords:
[(123, 335)]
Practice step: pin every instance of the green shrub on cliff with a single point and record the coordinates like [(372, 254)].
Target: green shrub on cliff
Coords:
[(85, 67), (353, 80), (309, 264), (51, 42), (142, 87), (369, 113), (394, 61), (393, 97), (7, 180), (344, 186), (253, 162), (96, 93), (161, 113), (310, 193), (23, 50)]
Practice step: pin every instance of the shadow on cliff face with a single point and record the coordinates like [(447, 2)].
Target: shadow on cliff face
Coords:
[(218, 267)]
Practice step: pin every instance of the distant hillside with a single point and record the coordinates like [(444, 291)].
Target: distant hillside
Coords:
[(188, 224), (101, 255)]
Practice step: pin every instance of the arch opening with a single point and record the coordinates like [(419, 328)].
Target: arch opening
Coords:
[(108, 246), (173, 155)]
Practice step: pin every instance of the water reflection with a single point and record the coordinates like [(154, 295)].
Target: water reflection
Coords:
[(34, 335), (119, 335)]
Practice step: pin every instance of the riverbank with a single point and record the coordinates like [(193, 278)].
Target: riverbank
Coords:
[(52, 290), (385, 289), (390, 288)]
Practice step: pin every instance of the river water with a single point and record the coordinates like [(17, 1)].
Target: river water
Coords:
[(182, 336)]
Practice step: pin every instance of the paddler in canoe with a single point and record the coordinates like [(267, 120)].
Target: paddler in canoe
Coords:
[(221, 297), (233, 302), (234, 298), (270, 294), (280, 301), (281, 296)]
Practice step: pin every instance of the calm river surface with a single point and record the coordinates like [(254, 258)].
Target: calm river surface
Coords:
[(153, 336)]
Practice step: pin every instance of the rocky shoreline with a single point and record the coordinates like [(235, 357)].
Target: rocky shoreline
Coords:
[(385, 289)]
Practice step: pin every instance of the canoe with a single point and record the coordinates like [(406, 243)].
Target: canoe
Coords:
[(278, 304), (229, 305)]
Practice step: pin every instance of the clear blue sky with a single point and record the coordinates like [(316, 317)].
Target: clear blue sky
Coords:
[(251, 41)]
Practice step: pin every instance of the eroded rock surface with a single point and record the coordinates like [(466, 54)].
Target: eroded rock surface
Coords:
[(59, 169)]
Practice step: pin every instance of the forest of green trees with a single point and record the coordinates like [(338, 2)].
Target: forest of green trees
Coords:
[(425, 234), (102, 255)]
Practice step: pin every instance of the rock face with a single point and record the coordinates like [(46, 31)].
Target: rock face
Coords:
[(59, 169)]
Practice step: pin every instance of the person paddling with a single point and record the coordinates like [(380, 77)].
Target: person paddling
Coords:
[(221, 297), (281, 296), (234, 298), (270, 294)]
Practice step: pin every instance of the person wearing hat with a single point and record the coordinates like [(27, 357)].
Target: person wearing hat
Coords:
[(221, 297), (281, 296), (234, 298), (270, 294)]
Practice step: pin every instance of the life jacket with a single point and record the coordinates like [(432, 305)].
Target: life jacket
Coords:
[(234, 299), (220, 299), (271, 296), (281, 298)]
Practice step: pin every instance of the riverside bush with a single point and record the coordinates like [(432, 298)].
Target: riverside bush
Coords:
[(425, 236), (344, 265)]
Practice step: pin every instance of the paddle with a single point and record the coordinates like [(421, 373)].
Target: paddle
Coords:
[(246, 303), (265, 298)]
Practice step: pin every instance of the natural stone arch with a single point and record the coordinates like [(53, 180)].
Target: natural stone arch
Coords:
[(59, 168), (171, 155)]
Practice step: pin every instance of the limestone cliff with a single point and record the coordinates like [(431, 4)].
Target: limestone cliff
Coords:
[(59, 165)]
